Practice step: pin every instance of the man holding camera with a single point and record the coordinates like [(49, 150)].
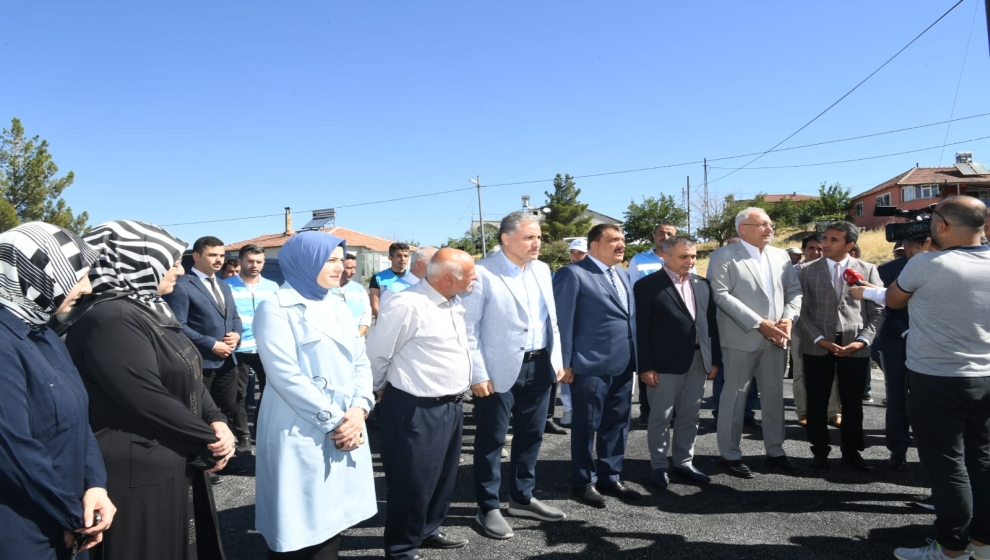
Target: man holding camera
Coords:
[(948, 368)]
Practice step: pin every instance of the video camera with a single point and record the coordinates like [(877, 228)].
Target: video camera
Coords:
[(917, 228)]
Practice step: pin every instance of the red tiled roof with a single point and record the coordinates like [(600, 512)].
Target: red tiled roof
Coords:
[(775, 198), (927, 176), (353, 238)]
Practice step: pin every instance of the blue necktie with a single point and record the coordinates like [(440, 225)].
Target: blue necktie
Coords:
[(619, 289)]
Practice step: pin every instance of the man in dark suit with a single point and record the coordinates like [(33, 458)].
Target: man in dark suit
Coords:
[(204, 305), (678, 348), (892, 343), (836, 332), (596, 318)]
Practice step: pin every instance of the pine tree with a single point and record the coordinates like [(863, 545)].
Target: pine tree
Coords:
[(566, 217)]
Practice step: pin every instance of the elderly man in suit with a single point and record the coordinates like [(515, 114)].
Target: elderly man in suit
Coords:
[(511, 324), (678, 349), (204, 306), (597, 339), (758, 297), (836, 333)]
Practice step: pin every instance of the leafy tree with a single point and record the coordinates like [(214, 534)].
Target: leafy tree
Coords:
[(471, 241), (556, 254), (565, 217), (642, 219), (29, 190), (832, 204), (719, 217)]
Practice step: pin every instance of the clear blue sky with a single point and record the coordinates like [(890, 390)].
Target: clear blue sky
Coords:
[(191, 111)]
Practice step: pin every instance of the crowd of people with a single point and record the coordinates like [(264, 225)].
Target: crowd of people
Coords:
[(113, 435)]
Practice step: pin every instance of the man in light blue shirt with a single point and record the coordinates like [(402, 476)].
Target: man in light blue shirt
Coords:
[(354, 294), (249, 289), (418, 262)]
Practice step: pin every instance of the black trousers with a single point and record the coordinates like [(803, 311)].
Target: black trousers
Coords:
[(552, 407), (950, 417), (245, 363), (421, 447), (221, 382), (328, 550), (819, 373)]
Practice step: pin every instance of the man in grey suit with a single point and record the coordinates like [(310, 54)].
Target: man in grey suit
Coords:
[(597, 339), (678, 349), (836, 333), (758, 298), (511, 324)]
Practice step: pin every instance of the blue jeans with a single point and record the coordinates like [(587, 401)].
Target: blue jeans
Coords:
[(752, 400)]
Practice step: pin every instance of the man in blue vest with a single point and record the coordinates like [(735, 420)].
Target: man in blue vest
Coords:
[(398, 255), (354, 294)]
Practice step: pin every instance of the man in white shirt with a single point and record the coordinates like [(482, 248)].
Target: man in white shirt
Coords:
[(422, 366)]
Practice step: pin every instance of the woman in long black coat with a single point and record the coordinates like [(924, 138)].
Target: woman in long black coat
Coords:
[(157, 427), (52, 479)]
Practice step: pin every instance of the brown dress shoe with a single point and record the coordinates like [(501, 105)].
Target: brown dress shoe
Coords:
[(835, 420), (802, 420)]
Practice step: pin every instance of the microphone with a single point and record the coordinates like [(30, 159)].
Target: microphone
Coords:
[(852, 277)]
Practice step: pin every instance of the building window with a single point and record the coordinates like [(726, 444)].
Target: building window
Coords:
[(982, 194), (883, 200), (918, 192), (858, 209)]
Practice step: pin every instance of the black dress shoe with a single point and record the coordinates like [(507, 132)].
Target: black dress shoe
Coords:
[(820, 462), (215, 479), (618, 489), (643, 421), (857, 461), (690, 472), (441, 540), (736, 468), (589, 496), (897, 462), (243, 448), (752, 423), (783, 462), (659, 478), (553, 428)]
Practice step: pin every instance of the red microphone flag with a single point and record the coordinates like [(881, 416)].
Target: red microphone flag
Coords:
[(852, 277)]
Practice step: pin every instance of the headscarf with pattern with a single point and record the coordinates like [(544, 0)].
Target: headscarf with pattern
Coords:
[(39, 265)]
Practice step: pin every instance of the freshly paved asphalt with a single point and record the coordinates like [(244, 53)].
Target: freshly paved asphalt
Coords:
[(843, 514)]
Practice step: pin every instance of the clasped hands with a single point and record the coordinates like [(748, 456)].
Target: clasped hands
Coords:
[(223, 448), (349, 434), (841, 351), (226, 347), (778, 333)]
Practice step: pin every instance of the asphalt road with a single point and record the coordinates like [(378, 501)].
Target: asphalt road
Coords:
[(843, 514)]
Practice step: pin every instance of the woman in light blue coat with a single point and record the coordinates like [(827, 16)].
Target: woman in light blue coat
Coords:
[(314, 476)]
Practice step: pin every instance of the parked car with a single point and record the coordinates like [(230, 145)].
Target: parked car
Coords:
[(272, 270)]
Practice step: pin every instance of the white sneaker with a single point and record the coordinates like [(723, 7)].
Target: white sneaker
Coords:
[(931, 551), (979, 552), (566, 418)]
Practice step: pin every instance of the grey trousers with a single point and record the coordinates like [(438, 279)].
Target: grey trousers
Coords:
[(766, 364), (799, 388), (683, 392)]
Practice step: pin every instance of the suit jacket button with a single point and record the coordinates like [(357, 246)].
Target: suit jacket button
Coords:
[(525, 330), (523, 348)]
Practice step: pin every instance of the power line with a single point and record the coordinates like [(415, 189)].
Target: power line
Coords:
[(847, 94), (969, 40), (858, 159)]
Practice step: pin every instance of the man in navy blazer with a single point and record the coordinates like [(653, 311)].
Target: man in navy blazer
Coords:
[(511, 325), (204, 305), (597, 319)]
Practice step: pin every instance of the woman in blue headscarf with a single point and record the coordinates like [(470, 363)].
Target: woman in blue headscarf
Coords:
[(314, 477)]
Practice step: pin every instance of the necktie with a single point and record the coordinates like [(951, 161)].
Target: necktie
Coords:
[(219, 298), (619, 289), (838, 281)]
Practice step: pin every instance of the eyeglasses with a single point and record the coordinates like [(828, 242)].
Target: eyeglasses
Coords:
[(764, 225), (941, 216)]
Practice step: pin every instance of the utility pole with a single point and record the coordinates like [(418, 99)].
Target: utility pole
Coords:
[(481, 216), (705, 210), (987, 11), (689, 200)]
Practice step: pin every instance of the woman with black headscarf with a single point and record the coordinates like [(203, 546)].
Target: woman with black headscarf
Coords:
[(157, 427), (52, 478)]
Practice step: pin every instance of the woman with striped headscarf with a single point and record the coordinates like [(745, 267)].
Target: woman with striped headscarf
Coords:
[(157, 426), (52, 478)]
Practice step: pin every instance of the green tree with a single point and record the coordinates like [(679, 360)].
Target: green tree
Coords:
[(565, 217), (471, 241), (832, 204), (556, 254), (642, 219), (720, 223), (29, 190)]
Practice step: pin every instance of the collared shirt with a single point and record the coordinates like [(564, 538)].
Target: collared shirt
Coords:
[(247, 297), (763, 263), (407, 281), (684, 288), (644, 264), (357, 300), (843, 264), (525, 285), (207, 281), (419, 344)]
